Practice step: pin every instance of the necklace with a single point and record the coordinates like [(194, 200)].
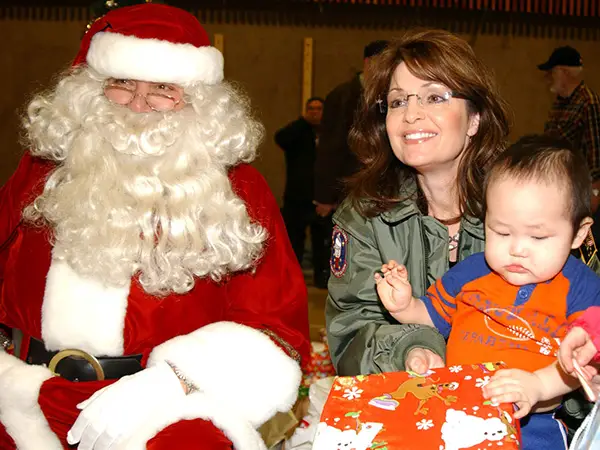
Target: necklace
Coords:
[(451, 221), (453, 241)]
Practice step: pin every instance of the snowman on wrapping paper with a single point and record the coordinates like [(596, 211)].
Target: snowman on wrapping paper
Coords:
[(461, 430), (331, 438)]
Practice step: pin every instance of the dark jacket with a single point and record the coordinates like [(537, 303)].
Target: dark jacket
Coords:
[(335, 160), (298, 142)]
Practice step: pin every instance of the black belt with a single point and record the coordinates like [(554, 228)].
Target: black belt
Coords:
[(77, 365)]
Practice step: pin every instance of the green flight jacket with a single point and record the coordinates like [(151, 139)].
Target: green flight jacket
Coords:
[(363, 337)]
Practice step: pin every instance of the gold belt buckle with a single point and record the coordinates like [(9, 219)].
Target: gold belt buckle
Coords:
[(80, 353)]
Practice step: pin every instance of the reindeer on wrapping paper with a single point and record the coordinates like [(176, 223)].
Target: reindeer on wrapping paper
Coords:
[(423, 389)]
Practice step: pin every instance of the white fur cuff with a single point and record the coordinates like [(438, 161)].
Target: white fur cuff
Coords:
[(20, 412), (8, 361), (237, 366)]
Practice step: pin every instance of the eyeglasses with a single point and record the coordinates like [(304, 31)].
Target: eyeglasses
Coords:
[(161, 97), (428, 100)]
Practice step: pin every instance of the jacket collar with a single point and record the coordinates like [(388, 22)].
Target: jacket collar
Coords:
[(408, 207)]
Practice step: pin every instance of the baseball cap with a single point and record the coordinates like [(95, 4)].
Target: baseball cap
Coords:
[(562, 56)]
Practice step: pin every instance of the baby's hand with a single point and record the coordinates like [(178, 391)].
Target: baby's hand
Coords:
[(394, 288), (515, 386)]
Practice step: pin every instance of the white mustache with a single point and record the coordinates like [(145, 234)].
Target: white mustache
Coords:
[(148, 134)]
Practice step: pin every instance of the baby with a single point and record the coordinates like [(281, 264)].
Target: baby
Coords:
[(511, 302)]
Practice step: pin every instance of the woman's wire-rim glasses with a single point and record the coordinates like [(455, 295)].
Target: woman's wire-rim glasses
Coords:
[(427, 100)]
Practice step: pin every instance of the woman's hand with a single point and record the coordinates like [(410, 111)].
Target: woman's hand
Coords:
[(577, 344), (420, 360), (393, 287), (113, 413), (523, 388)]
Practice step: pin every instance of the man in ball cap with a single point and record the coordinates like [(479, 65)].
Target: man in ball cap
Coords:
[(152, 293), (575, 114)]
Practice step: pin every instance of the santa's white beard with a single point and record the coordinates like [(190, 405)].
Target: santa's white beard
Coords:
[(144, 194)]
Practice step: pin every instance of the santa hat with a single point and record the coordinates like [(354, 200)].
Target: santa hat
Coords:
[(151, 42)]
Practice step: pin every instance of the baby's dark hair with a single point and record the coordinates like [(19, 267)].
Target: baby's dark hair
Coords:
[(548, 159)]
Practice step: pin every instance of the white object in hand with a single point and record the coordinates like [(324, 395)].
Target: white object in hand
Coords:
[(115, 412), (587, 387)]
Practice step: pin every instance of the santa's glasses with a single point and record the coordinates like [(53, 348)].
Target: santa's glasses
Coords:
[(160, 97)]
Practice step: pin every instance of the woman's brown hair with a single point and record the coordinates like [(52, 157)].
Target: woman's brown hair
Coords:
[(432, 55)]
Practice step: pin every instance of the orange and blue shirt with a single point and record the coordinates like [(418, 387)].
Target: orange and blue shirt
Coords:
[(484, 318)]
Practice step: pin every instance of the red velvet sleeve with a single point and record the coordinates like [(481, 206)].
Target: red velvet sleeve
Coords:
[(274, 297), (22, 187)]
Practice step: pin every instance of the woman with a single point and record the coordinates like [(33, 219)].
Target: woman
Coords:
[(431, 122)]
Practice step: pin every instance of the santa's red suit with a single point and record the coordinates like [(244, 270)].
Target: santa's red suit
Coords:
[(213, 329)]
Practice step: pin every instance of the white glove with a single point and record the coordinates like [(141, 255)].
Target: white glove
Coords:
[(113, 413)]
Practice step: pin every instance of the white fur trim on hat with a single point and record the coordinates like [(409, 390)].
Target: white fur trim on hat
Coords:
[(119, 56), (20, 412), (238, 367)]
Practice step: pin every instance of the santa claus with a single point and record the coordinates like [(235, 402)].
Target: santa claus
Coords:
[(153, 297)]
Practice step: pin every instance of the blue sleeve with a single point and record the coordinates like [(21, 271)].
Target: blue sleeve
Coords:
[(440, 298), (584, 286)]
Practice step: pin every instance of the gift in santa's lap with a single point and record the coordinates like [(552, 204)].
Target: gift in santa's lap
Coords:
[(443, 409)]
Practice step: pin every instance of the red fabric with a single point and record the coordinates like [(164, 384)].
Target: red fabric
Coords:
[(25, 184), (190, 434), (147, 21), (58, 401), (590, 322), (273, 297), (6, 442)]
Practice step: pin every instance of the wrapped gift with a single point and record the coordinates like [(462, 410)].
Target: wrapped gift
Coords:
[(320, 365), (443, 409)]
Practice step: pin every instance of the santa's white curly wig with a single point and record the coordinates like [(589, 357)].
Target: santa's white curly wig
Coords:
[(145, 194)]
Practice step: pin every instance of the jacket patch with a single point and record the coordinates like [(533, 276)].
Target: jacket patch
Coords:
[(588, 249), (338, 262)]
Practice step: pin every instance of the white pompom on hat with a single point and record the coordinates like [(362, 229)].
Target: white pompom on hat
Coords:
[(151, 42)]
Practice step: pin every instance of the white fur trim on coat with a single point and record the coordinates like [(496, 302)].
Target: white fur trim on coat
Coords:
[(82, 313), (119, 56), (239, 368), (20, 412)]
